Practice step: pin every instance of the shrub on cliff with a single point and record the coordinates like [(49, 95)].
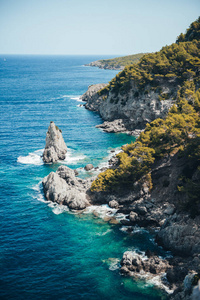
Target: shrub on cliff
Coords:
[(178, 132)]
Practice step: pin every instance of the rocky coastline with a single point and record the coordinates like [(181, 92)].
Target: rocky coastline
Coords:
[(154, 210), (127, 113), (158, 210)]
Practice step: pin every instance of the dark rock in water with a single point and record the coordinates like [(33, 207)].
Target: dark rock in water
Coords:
[(55, 148), (125, 222), (89, 167), (176, 274), (133, 216), (149, 253), (140, 209)]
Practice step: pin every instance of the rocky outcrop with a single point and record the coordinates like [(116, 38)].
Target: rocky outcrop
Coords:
[(55, 148), (131, 110), (91, 96), (88, 167), (141, 266), (181, 234), (63, 187), (118, 125)]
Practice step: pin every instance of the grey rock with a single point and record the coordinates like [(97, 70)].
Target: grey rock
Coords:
[(91, 96), (169, 210), (55, 147), (133, 217), (113, 204), (127, 112), (188, 281), (196, 292), (76, 172), (88, 167), (133, 263), (140, 209), (64, 188)]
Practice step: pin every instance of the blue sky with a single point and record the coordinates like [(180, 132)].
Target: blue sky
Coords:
[(91, 26)]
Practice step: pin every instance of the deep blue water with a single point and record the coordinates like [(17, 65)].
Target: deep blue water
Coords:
[(45, 252)]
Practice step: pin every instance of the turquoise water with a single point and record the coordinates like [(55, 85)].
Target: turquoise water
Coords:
[(45, 252)]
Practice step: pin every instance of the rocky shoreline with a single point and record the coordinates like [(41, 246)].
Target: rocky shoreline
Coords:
[(174, 230), (130, 113), (157, 210)]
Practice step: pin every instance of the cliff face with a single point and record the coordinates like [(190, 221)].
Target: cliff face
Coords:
[(92, 98), (134, 108)]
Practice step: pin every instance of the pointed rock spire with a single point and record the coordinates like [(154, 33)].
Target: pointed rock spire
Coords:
[(55, 148)]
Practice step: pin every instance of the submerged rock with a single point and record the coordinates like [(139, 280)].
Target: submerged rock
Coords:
[(55, 148)]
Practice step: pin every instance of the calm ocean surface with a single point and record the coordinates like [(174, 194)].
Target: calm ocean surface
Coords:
[(46, 252)]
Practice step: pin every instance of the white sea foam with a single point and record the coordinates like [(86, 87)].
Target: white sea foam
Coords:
[(102, 210), (39, 192), (73, 97), (33, 158), (103, 233), (159, 281), (73, 158), (105, 162), (77, 99), (114, 264)]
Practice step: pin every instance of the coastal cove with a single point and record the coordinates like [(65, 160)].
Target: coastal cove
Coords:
[(48, 252)]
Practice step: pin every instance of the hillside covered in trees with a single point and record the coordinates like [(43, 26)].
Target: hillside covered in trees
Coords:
[(117, 63), (177, 134)]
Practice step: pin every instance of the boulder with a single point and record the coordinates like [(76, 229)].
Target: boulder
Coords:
[(141, 209), (133, 217), (88, 167), (170, 209), (64, 188), (55, 147), (113, 204)]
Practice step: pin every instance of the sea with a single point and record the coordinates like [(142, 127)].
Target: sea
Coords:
[(47, 251)]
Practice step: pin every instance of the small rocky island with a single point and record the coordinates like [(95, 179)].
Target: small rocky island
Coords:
[(55, 148)]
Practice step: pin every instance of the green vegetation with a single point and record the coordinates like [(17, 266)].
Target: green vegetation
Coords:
[(192, 33), (178, 133), (175, 64), (120, 62)]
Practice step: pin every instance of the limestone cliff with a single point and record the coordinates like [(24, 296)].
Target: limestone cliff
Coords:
[(55, 148), (131, 110)]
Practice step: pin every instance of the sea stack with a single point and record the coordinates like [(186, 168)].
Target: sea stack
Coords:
[(55, 148)]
